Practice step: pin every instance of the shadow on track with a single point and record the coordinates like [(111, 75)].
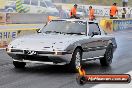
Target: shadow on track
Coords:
[(90, 67)]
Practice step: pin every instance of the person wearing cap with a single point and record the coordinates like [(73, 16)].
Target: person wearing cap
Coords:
[(113, 11), (91, 13), (73, 12)]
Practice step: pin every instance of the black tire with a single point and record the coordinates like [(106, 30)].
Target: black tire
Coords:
[(74, 64), (108, 56), (19, 64), (81, 80)]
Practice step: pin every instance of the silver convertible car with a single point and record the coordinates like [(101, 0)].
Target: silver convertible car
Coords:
[(64, 42)]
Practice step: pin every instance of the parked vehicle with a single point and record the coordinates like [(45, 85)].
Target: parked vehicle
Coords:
[(10, 7), (34, 6)]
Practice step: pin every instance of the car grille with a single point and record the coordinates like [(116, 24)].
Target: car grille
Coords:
[(34, 58)]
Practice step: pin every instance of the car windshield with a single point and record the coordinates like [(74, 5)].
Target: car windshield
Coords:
[(68, 27)]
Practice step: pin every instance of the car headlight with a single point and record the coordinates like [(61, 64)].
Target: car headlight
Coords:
[(57, 52), (8, 49), (60, 53)]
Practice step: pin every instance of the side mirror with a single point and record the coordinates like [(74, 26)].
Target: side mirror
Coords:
[(94, 33)]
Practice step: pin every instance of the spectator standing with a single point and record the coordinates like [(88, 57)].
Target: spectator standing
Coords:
[(113, 11), (123, 13), (91, 13), (73, 12)]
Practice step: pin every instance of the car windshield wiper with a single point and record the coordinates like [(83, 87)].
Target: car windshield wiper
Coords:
[(76, 33), (64, 32)]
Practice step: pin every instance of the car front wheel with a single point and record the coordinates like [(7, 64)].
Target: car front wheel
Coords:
[(107, 60), (76, 60), (19, 64)]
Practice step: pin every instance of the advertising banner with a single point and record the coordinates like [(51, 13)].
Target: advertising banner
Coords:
[(102, 11), (110, 25), (122, 24), (6, 36), (105, 10)]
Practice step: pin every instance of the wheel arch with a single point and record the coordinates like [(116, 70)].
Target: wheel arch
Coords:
[(113, 42), (8, 9), (79, 47), (110, 43)]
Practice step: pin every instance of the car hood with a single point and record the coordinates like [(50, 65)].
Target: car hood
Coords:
[(46, 42)]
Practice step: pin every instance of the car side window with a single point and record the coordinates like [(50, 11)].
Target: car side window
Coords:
[(34, 2), (94, 28)]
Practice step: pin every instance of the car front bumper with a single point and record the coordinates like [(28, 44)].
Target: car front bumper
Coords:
[(45, 57)]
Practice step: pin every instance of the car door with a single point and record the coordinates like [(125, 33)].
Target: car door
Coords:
[(94, 43)]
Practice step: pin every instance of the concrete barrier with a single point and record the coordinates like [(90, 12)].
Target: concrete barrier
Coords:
[(26, 18), (110, 25), (20, 26)]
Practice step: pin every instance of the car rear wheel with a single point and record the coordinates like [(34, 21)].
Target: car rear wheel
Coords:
[(76, 60), (107, 60), (19, 64)]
